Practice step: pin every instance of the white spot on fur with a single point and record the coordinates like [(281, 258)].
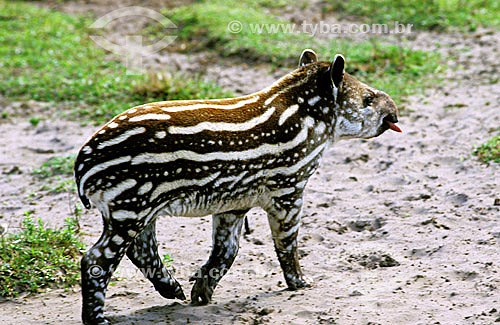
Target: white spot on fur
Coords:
[(309, 122), (320, 128), (99, 295), (312, 101), (96, 253), (109, 253), (117, 239), (145, 188), (122, 215)]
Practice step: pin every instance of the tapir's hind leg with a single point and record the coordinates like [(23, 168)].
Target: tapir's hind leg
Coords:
[(97, 266), (144, 254), (226, 232)]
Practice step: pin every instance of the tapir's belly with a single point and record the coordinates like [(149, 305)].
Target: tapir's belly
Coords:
[(199, 204)]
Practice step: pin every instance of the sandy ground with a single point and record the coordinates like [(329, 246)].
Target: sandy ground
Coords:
[(401, 229)]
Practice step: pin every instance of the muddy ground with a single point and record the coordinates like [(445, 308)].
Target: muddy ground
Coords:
[(401, 229)]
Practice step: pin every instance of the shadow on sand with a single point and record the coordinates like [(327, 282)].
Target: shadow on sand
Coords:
[(213, 313)]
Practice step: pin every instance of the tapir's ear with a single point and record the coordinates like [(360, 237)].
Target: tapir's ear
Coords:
[(307, 56), (337, 70)]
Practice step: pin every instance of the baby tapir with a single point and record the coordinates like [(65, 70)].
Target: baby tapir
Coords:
[(221, 157)]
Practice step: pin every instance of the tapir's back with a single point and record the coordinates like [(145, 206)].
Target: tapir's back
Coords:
[(225, 149)]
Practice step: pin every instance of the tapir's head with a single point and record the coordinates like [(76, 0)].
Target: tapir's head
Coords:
[(360, 110)]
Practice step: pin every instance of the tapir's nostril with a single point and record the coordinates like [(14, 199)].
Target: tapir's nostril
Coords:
[(392, 118)]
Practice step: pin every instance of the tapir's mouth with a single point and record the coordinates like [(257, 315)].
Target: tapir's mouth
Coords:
[(390, 122)]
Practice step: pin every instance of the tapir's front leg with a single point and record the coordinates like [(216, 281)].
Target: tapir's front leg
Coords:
[(284, 218), (225, 244)]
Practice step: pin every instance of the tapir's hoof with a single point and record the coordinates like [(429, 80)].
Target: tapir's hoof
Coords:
[(201, 294), (300, 282), (170, 290), (97, 321)]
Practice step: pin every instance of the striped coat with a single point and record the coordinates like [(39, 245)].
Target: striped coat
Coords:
[(221, 157)]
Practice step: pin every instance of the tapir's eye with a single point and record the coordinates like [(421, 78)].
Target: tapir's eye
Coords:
[(368, 101)]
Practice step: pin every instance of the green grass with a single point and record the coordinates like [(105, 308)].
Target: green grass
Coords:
[(48, 56), (204, 25), (59, 165), (34, 121), (55, 174), (167, 259), (39, 257), (426, 14), (59, 185), (489, 151), (176, 86)]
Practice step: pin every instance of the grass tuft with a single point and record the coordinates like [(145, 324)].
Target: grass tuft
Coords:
[(39, 257), (489, 151), (167, 259), (34, 121), (55, 172), (62, 165)]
